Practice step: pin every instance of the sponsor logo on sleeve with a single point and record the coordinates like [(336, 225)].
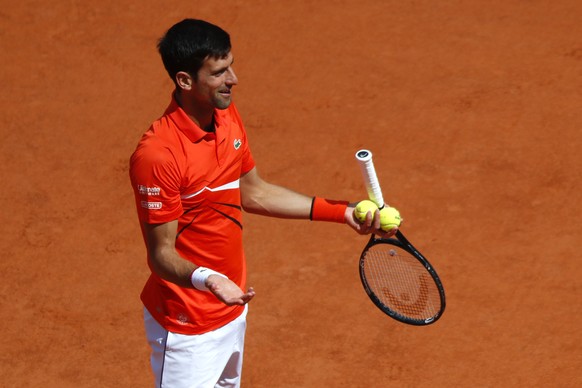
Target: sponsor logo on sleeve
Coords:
[(144, 190), (151, 205), (237, 143)]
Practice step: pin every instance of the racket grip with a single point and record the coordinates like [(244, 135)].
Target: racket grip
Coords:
[(364, 158)]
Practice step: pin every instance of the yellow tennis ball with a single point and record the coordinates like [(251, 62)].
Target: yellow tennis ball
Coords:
[(389, 218), (363, 207)]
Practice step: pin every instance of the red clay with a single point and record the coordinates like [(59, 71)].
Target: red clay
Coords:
[(472, 110)]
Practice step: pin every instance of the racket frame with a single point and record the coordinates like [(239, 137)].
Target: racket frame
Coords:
[(372, 184), (401, 242)]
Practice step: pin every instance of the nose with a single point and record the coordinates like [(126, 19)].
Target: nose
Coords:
[(231, 78)]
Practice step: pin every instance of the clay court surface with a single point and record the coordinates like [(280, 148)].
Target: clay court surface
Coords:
[(473, 110)]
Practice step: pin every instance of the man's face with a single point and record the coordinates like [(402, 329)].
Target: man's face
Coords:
[(215, 81)]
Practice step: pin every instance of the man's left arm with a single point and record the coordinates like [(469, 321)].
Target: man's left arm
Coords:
[(261, 197)]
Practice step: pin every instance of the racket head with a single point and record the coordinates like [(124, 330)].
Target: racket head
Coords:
[(401, 282)]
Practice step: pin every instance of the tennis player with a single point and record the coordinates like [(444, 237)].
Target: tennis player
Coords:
[(193, 174)]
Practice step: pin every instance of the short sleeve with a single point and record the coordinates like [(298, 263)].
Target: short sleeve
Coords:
[(155, 178)]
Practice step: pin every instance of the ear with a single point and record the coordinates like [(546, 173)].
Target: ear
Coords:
[(184, 80)]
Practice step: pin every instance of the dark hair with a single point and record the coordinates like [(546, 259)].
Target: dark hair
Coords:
[(188, 43)]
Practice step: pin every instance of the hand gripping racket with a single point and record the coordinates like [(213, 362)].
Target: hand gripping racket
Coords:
[(396, 276)]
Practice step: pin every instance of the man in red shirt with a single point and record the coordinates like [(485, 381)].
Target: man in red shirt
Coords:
[(192, 174)]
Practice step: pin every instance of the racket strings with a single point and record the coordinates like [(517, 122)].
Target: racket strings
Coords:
[(401, 282)]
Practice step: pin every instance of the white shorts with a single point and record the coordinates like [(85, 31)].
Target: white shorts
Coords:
[(212, 359)]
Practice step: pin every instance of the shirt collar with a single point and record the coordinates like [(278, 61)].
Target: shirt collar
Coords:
[(192, 131)]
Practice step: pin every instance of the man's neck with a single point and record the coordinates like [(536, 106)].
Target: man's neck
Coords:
[(202, 117)]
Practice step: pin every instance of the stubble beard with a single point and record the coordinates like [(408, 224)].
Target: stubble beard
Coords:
[(222, 102)]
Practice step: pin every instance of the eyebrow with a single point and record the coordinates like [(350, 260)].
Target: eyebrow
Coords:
[(223, 68)]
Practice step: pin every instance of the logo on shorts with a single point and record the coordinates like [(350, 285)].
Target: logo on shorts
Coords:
[(237, 143), (144, 190), (151, 205)]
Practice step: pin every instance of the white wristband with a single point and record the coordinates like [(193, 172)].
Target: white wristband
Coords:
[(199, 276)]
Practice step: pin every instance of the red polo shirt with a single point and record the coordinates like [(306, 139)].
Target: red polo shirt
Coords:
[(178, 171)]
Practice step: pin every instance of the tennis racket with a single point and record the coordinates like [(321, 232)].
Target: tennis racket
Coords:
[(396, 276)]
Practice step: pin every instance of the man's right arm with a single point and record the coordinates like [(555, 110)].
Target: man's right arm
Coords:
[(170, 266), (164, 260)]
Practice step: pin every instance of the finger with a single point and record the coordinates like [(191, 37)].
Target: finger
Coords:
[(250, 294), (368, 221), (377, 219), (388, 233), (246, 298)]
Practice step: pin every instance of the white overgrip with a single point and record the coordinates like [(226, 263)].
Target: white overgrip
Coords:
[(364, 158)]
